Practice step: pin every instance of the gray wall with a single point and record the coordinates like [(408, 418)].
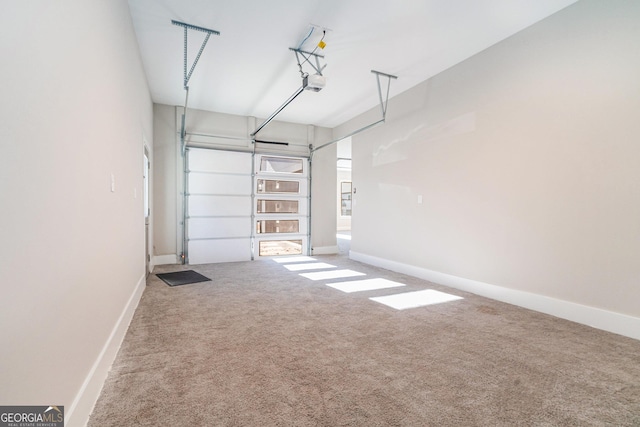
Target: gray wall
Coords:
[(527, 159), (75, 107), (324, 203), (165, 191), (168, 172)]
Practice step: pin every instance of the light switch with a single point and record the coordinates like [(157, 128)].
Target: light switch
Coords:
[(420, 199), (113, 183)]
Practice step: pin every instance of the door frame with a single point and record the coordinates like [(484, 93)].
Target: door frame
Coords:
[(146, 203)]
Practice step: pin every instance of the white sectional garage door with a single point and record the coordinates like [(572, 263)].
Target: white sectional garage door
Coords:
[(218, 219), (236, 210)]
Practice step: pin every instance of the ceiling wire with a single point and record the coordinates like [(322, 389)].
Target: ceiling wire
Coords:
[(306, 38), (324, 33)]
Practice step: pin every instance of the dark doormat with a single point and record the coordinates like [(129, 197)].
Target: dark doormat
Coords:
[(182, 278)]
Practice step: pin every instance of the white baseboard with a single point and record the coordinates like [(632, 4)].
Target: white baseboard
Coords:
[(165, 259), (78, 414), (325, 250), (610, 321)]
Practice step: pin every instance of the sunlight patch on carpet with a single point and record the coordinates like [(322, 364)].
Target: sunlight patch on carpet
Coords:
[(333, 274), (308, 266), (415, 299), (365, 285), (293, 259)]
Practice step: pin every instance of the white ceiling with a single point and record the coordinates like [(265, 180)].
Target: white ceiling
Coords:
[(249, 69)]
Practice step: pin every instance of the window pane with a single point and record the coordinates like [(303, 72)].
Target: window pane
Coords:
[(271, 186), (280, 247), (277, 226), (277, 206), (280, 164), (345, 198)]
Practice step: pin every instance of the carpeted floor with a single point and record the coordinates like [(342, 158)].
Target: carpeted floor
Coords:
[(262, 346)]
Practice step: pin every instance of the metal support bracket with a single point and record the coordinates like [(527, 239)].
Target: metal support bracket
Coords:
[(184, 257), (383, 107), (188, 27), (187, 75), (383, 103), (307, 59)]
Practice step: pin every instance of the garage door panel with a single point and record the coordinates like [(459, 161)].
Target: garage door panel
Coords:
[(203, 160), (219, 206), (205, 205), (225, 250), (209, 228), (214, 183)]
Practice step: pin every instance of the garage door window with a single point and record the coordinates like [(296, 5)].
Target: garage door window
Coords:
[(277, 206), (272, 186), (281, 165), (277, 226), (279, 247)]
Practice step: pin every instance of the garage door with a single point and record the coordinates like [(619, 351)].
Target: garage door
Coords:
[(241, 206)]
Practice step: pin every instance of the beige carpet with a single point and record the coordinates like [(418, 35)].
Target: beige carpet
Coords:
[(262, 346)]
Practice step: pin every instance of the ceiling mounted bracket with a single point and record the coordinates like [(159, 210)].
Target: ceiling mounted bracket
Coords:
[(187, 76), (385, 102), (383, 107), (188, 27), (308, 59)]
